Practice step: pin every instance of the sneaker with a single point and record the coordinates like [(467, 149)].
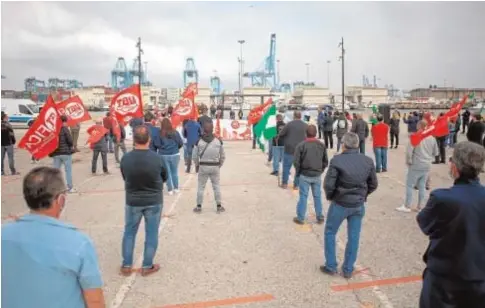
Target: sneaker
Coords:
[(295, 187), (170, 193), (403, 209), (320, 220), (384, 170), (198, 209), (327, 271), (284, 186), (347, 275), (176, 191), (220, 209), (72, 191), (274, 173), (298, 221)]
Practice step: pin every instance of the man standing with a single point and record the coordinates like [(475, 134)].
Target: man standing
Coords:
[(476, 130), (320, 119), (108, 124), (278, 145), (8, 141), (441, 141), (328, 129), (192, 133), (350, 179), (75, 136), (208, 156), (293, 133), (63, 154), (466, 119), (380, 141), (100, 147), (204, 117), (143, 173), (454, 220), (310, 162), (342, 127), (418, 160), (46, 262), (361, 128)]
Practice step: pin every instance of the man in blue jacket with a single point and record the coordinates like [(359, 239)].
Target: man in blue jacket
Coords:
[(192, 133), (454, 221)]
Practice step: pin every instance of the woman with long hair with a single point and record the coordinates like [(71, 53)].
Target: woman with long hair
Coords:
[(169, 150)]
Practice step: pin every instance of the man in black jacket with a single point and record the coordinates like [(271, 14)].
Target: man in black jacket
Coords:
[(294, 133), (476, 130), (310, 162), (328, 129), (466, 119), (361, 128), (278, 145), (350, 179), (63, 154), (454, 220), (8, 141)]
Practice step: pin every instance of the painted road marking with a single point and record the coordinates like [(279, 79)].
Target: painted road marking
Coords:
[(130, 280), (225, 302), (372, 283)]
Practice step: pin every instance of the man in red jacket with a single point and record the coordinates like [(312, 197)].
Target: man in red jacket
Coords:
[(441, 136), (380, 140)]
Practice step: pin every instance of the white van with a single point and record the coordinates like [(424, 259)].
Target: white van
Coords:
[(21, 112)]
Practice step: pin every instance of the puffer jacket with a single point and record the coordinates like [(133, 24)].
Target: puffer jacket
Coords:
[(65, 143)]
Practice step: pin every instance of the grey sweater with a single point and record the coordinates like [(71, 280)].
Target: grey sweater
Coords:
[(208, 151), (293, 133), (421, 157)]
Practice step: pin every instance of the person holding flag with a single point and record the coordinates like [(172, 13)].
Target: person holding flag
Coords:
[(63, 154), (98, 141)]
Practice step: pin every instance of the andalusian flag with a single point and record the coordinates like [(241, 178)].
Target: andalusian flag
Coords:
[(373, 118), (265, 130)]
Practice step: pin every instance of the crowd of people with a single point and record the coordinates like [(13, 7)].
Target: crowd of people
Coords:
[(453, 218)]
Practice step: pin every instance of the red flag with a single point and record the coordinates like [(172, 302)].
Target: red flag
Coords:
[(437, 128), (96, 132), (127, 104), (116, 128), (42, 138), (456, 107), (186, 107), (74, 109), (217, 131), (257, 112)]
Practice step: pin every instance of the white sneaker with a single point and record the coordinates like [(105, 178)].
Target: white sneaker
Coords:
[(403, 209), (176, 191), (170, 193), (72, 191)]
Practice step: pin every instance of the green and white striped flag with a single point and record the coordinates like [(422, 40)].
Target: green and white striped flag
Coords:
[(265, 130)]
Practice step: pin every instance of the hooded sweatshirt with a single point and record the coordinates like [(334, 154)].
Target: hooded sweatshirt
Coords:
[(209, 151)]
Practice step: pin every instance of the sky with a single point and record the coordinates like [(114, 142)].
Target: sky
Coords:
[(407, 44)]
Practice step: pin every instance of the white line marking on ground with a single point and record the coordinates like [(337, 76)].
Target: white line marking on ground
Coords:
[(130, 280)]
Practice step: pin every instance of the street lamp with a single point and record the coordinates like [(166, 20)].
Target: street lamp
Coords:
[(307, 72), (241, 42), (328, 74)]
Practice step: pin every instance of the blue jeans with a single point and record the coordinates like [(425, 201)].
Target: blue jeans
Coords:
[(186, 153), (305, 183), (65, 160), (110, 143), (277, 157), (381, 158), (335, 216), (416, 178), (171, 164), (287, 163), (133, 215)]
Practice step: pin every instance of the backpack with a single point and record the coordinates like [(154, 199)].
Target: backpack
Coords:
[(342, 124)]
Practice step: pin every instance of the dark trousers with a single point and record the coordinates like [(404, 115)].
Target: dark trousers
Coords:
[(440, 292), (465, 126), (442, 147), (320, 132), (455, 136), (328, 139), (394, 135), (189, 157), (104, 158), (362, 146)]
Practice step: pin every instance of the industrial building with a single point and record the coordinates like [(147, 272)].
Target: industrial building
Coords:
[(366, 94), (311, 95), (442, 94)]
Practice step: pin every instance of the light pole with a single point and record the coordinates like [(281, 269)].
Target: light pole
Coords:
[(341, 45), (328, 74), (307, 72), (241, 42), (278, 68)]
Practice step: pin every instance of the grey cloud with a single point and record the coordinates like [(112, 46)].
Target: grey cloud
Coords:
[(404, 43)]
